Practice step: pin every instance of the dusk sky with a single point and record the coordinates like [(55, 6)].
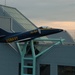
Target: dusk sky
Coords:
[(52, 13)]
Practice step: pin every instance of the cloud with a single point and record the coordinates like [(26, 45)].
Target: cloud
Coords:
[(67, 25), (49, 10), (52, 10)]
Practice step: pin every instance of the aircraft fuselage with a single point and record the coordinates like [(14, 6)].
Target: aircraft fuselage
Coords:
[(29, 35)]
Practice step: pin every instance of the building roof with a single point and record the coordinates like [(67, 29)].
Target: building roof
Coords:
[(18, 16)]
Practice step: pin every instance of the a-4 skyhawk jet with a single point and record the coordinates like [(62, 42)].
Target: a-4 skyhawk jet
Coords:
[(7, 37)]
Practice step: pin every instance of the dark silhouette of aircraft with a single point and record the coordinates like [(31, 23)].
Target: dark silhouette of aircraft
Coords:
[(7, 37)]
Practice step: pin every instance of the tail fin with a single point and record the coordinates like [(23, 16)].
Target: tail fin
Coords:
[(3, 33)]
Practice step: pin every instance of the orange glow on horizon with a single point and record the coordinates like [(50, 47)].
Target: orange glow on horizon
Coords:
[(65, 25), (56, 24)]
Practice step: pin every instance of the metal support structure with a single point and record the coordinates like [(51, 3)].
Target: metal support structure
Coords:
[(33, 57), (27, 58)]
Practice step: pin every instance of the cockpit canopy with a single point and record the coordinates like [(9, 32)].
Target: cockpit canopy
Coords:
[(44, 27)]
